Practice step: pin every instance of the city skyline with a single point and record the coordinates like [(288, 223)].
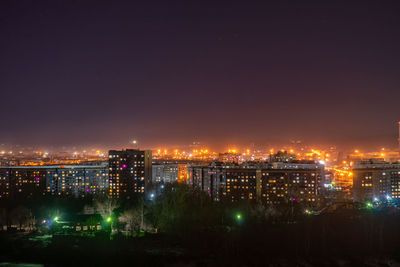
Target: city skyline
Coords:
[(199, 133)]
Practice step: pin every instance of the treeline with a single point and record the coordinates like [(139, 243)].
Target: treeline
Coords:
[(242, 233), (176, 209)]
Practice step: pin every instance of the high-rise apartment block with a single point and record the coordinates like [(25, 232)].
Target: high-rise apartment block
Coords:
[(130, 172)]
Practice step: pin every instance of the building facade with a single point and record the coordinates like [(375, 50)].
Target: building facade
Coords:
[(130, 172), (74, 180), (165, 173), (169, 172), (284, 182), (22, 182), (274, 183), (376, 180), (77, 180)]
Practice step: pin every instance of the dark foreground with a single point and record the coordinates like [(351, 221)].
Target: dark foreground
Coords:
[(369, 239)]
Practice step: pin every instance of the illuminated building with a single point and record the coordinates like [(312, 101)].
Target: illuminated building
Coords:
[(182, 172), (209, 178), (274, 183), (165, 173), (341, 179), (77, 180), (21, 182), (241, 184), (282, 156), (291, 182), (231, 156), (130, 172), (169, 172), (376, 179), (74, 180)]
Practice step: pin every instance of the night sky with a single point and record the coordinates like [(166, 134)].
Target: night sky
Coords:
[(169, 72)]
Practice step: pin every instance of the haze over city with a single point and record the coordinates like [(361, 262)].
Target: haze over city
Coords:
[(83, 73)]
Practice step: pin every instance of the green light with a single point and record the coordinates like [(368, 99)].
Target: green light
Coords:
[(56, 218), (369, 205), (108, 219), (238, 217)]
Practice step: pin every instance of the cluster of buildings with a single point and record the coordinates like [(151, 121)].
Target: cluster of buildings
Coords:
[(129, 172), (132, 171)]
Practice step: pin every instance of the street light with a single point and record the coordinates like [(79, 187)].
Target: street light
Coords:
[(239, 218), (308, 212), (108, 219)]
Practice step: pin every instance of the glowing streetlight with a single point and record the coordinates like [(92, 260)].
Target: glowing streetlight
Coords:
[(108, 219), (239, 218)]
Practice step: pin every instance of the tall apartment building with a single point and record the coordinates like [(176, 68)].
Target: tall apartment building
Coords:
[(130, 172), (376, 179)]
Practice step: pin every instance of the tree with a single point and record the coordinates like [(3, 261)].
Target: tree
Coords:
[(182, 209), (264, 213), (132, 218), (22, 216), (105, 207), (3, 217)]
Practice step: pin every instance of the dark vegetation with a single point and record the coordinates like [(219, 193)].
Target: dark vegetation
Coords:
[(182, 226)]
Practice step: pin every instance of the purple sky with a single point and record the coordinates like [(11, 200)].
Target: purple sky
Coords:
[(171, 72)]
